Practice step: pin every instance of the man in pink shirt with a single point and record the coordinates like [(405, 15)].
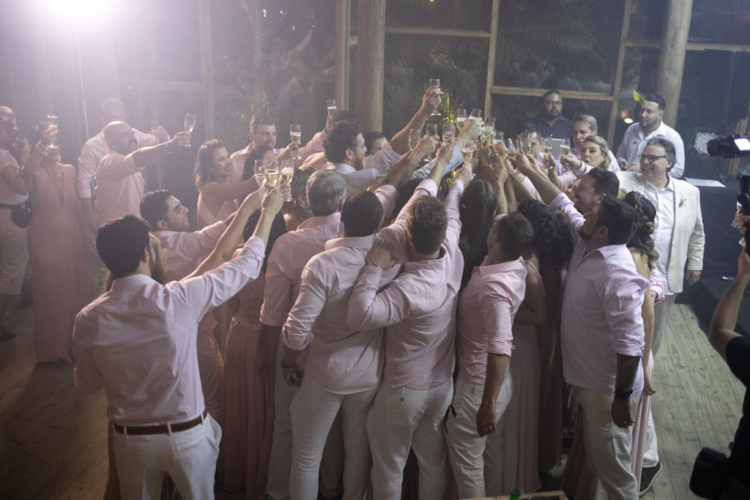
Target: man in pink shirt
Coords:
[(418, 309), (486, 310), (343, 368), (602, 333), (119, 183), (138, 341)]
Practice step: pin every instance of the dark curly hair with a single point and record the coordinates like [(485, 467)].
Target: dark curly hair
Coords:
[(553, 241), (427, 222), (120, 244), (643, 239), (204, 162), (477, 212), (154, 206), (342, 137)]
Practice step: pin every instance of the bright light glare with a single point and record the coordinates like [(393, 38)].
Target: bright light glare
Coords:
[(628, 120), (78, 11)]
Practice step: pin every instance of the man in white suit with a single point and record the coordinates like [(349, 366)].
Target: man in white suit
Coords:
[(678, 238)]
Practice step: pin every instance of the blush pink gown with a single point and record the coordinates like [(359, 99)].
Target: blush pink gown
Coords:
[(62, 281), (248, 401)]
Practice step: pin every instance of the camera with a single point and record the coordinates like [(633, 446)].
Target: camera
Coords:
[(732, 146)]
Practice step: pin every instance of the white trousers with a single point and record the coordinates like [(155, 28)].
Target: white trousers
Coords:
[(402, 419), (469, 451), (189, 457), (280, 461), (607, 447), (314, 410)]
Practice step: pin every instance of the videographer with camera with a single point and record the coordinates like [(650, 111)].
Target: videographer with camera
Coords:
[(735, 349)]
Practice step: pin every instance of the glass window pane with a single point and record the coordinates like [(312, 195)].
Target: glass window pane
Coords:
[(472, 15)]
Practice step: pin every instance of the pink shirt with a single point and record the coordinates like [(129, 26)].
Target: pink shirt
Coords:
[(601, 311), (92, 153), (238, 157), (486, 310), (341, 360), (418, 307), (120, 187), (138, 340), (186, 250)]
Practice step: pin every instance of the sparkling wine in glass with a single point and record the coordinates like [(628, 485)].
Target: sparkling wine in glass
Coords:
[(449, 132), (435, 82), (190, 122), (476, 114), (52, 120), (272, 172), (331, 105), (260, 172), (431, 129), (511, 146), (295, 134), (414, 136), (468, 153), (460, 118), (287, 173), (565, 147), (488, 128), (547, 146)]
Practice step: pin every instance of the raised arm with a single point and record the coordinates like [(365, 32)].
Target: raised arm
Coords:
[(546, 189), (153, 154), (430, 102)]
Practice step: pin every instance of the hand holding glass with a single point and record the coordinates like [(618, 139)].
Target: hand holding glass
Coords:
[(435, 82), (295, 134)]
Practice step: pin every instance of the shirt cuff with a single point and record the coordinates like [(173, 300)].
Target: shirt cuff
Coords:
[(257, 246), (429, 186), (500, 346), (560, 200), (629, 347)]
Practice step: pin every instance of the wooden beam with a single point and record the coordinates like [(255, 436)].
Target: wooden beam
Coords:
[(370, 64), (691, 46), (567, 94), (343, 44), (491, 59), (353, 40), (204, 20), (672, 56), (403, 30), (257, 53), (163, 85), (616, 85)]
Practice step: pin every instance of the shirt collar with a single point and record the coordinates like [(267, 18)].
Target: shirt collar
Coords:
[(351, 242), (668, 187), (438, 263), (660, 131), (131, 281), (610, 250), (321, 220), (503, 267), (344, 168)]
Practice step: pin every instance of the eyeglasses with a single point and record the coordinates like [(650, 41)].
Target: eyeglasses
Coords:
[(650, 158)]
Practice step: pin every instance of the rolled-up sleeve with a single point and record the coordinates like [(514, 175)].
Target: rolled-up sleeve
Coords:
[(622, 299), (497, 318), (297, 332)]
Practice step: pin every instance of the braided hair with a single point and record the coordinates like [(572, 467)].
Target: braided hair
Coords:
[(643, 239)]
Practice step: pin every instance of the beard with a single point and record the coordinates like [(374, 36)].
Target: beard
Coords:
[(584, 235), (358, 164)]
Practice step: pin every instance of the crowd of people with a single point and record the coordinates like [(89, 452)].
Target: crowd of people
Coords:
[(389, 299)]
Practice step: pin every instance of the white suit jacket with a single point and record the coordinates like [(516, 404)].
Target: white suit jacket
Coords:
[(688, 238)]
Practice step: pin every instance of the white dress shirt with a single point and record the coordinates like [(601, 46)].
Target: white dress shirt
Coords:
[(633, 143), (663, 200), (139, 340)]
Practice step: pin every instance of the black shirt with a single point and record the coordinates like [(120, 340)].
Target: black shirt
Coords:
[(738, 359), (562, 128)]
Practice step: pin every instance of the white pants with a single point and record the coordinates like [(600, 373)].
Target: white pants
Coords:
[(280, 461), (189, 457), (211, 370), (467, 449), (314, 410), (402, 419), (607, 447)]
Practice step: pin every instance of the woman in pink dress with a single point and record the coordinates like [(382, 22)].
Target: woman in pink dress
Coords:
[(62, 280), (248, 406), (576, 477)]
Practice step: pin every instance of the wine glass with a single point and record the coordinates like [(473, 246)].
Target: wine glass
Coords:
[(449, 132), (498, 138), (431, 129), (511, 146), (287, 173), (414, 136), (565, 147), (52, 120), (331, 105), (475, 114), (190, 122), (295, 134), (525, 143), (460, 118), (488, 128), (435, 82), (547, 145), (272, 171), (260, 173)]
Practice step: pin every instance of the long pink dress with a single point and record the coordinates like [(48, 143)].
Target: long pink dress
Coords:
[(520, 430), (248, 401), (62, 281)]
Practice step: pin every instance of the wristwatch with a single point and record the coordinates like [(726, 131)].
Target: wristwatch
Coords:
[(623, 394)]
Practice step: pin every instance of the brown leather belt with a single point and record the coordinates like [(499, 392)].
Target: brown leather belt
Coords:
[(144, 430)]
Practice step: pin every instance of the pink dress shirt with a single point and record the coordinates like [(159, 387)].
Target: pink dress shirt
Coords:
[(138, 340), (238, 157), (292, 251), (486, 310), (92, 153), (418, 307), (120, 187), (341, 360), (186, 250), (601, 311)]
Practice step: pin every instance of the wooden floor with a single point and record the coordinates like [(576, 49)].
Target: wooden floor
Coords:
[(53, 439)]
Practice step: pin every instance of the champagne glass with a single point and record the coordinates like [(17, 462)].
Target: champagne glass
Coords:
[(498, 138), (449, 132), (460, 118), (565, 147), (525, 143), (272, 172), (511, 146), (414, 136), (190, 122), (432, 129), (488, 128), (52, 120), (295, 134), (475, 114), (260, 173), (468, 151), (287, 173), (435, 82), (547, 145), (331, 105)]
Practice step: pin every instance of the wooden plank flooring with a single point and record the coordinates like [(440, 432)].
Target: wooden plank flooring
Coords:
[(53, 439)]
